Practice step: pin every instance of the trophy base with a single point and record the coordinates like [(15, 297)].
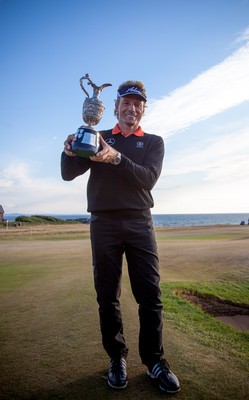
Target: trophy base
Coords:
[(86, 143)]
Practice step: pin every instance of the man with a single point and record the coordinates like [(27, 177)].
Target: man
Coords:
[(122, 174)]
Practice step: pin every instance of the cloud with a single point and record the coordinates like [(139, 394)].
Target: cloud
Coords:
[(222, 197), (22, 192), (221, 87), (243, 37), (206, 171), (208, 175), (223, 157)]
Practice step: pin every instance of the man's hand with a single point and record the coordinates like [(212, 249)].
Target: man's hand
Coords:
[(68, 145), (107, 154)]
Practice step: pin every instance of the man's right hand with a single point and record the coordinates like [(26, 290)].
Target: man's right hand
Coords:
[(68, 145)]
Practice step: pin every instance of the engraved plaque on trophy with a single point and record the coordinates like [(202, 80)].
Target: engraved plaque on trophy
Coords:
[(87, 140)]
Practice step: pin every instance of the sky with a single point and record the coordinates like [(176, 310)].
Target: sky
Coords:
[(193, 57)]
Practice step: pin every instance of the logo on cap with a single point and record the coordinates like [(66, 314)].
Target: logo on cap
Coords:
[(133, 90), (128, 90)]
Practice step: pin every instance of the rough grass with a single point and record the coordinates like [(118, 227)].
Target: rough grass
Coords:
[(50, 341), (205, 329)]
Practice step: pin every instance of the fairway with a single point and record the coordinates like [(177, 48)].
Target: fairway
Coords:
[(50, 340)]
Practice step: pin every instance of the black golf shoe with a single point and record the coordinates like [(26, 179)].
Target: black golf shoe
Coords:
[(166, 380), (117, 376)]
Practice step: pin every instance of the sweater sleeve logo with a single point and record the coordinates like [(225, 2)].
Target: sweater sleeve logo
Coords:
[(140, 145)]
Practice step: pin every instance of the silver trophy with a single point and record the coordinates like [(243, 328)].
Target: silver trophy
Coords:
[(87, 138)]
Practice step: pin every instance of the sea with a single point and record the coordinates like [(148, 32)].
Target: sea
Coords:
[(168, 219)]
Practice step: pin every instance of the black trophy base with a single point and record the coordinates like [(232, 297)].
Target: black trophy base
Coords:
[(86, 144)]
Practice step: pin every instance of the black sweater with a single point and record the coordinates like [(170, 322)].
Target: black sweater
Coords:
[(126, 186)]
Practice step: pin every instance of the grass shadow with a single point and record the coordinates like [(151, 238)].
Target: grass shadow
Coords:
[(93, 387)]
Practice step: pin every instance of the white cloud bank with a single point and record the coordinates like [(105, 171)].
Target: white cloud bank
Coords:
[(210, 174), (221, 87), (22, 192), (220, 158)]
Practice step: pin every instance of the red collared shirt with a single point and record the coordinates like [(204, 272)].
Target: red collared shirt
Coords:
[(138, 132)]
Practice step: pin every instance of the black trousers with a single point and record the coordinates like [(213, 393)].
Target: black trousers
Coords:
[(111, 239)]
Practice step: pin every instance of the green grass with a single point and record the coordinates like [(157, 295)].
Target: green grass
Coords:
[(32, 233), (17, 276), (236, 290), (56, 236), (50, 340), (198, 237), (205, 329)]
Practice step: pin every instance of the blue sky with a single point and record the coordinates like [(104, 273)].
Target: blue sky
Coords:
[(193, 57)]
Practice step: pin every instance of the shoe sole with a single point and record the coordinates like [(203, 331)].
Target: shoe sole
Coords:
[(117, 387), (169, 391), (160, 387)]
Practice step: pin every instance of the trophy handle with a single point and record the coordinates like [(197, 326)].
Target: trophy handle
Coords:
[(96, 89), (81, 84)]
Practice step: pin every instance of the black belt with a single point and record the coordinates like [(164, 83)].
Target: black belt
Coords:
[(123, 214)]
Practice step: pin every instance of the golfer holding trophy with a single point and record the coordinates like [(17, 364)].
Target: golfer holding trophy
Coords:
[(124, 168)]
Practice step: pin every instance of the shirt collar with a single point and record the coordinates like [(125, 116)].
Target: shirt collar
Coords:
[(138, 132)]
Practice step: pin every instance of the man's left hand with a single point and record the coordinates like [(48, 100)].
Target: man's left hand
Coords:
[(107, 154)]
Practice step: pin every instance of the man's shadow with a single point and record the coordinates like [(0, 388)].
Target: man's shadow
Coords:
[(95, 387)]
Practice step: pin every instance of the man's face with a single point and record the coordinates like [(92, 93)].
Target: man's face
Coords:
[(130, 110)]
